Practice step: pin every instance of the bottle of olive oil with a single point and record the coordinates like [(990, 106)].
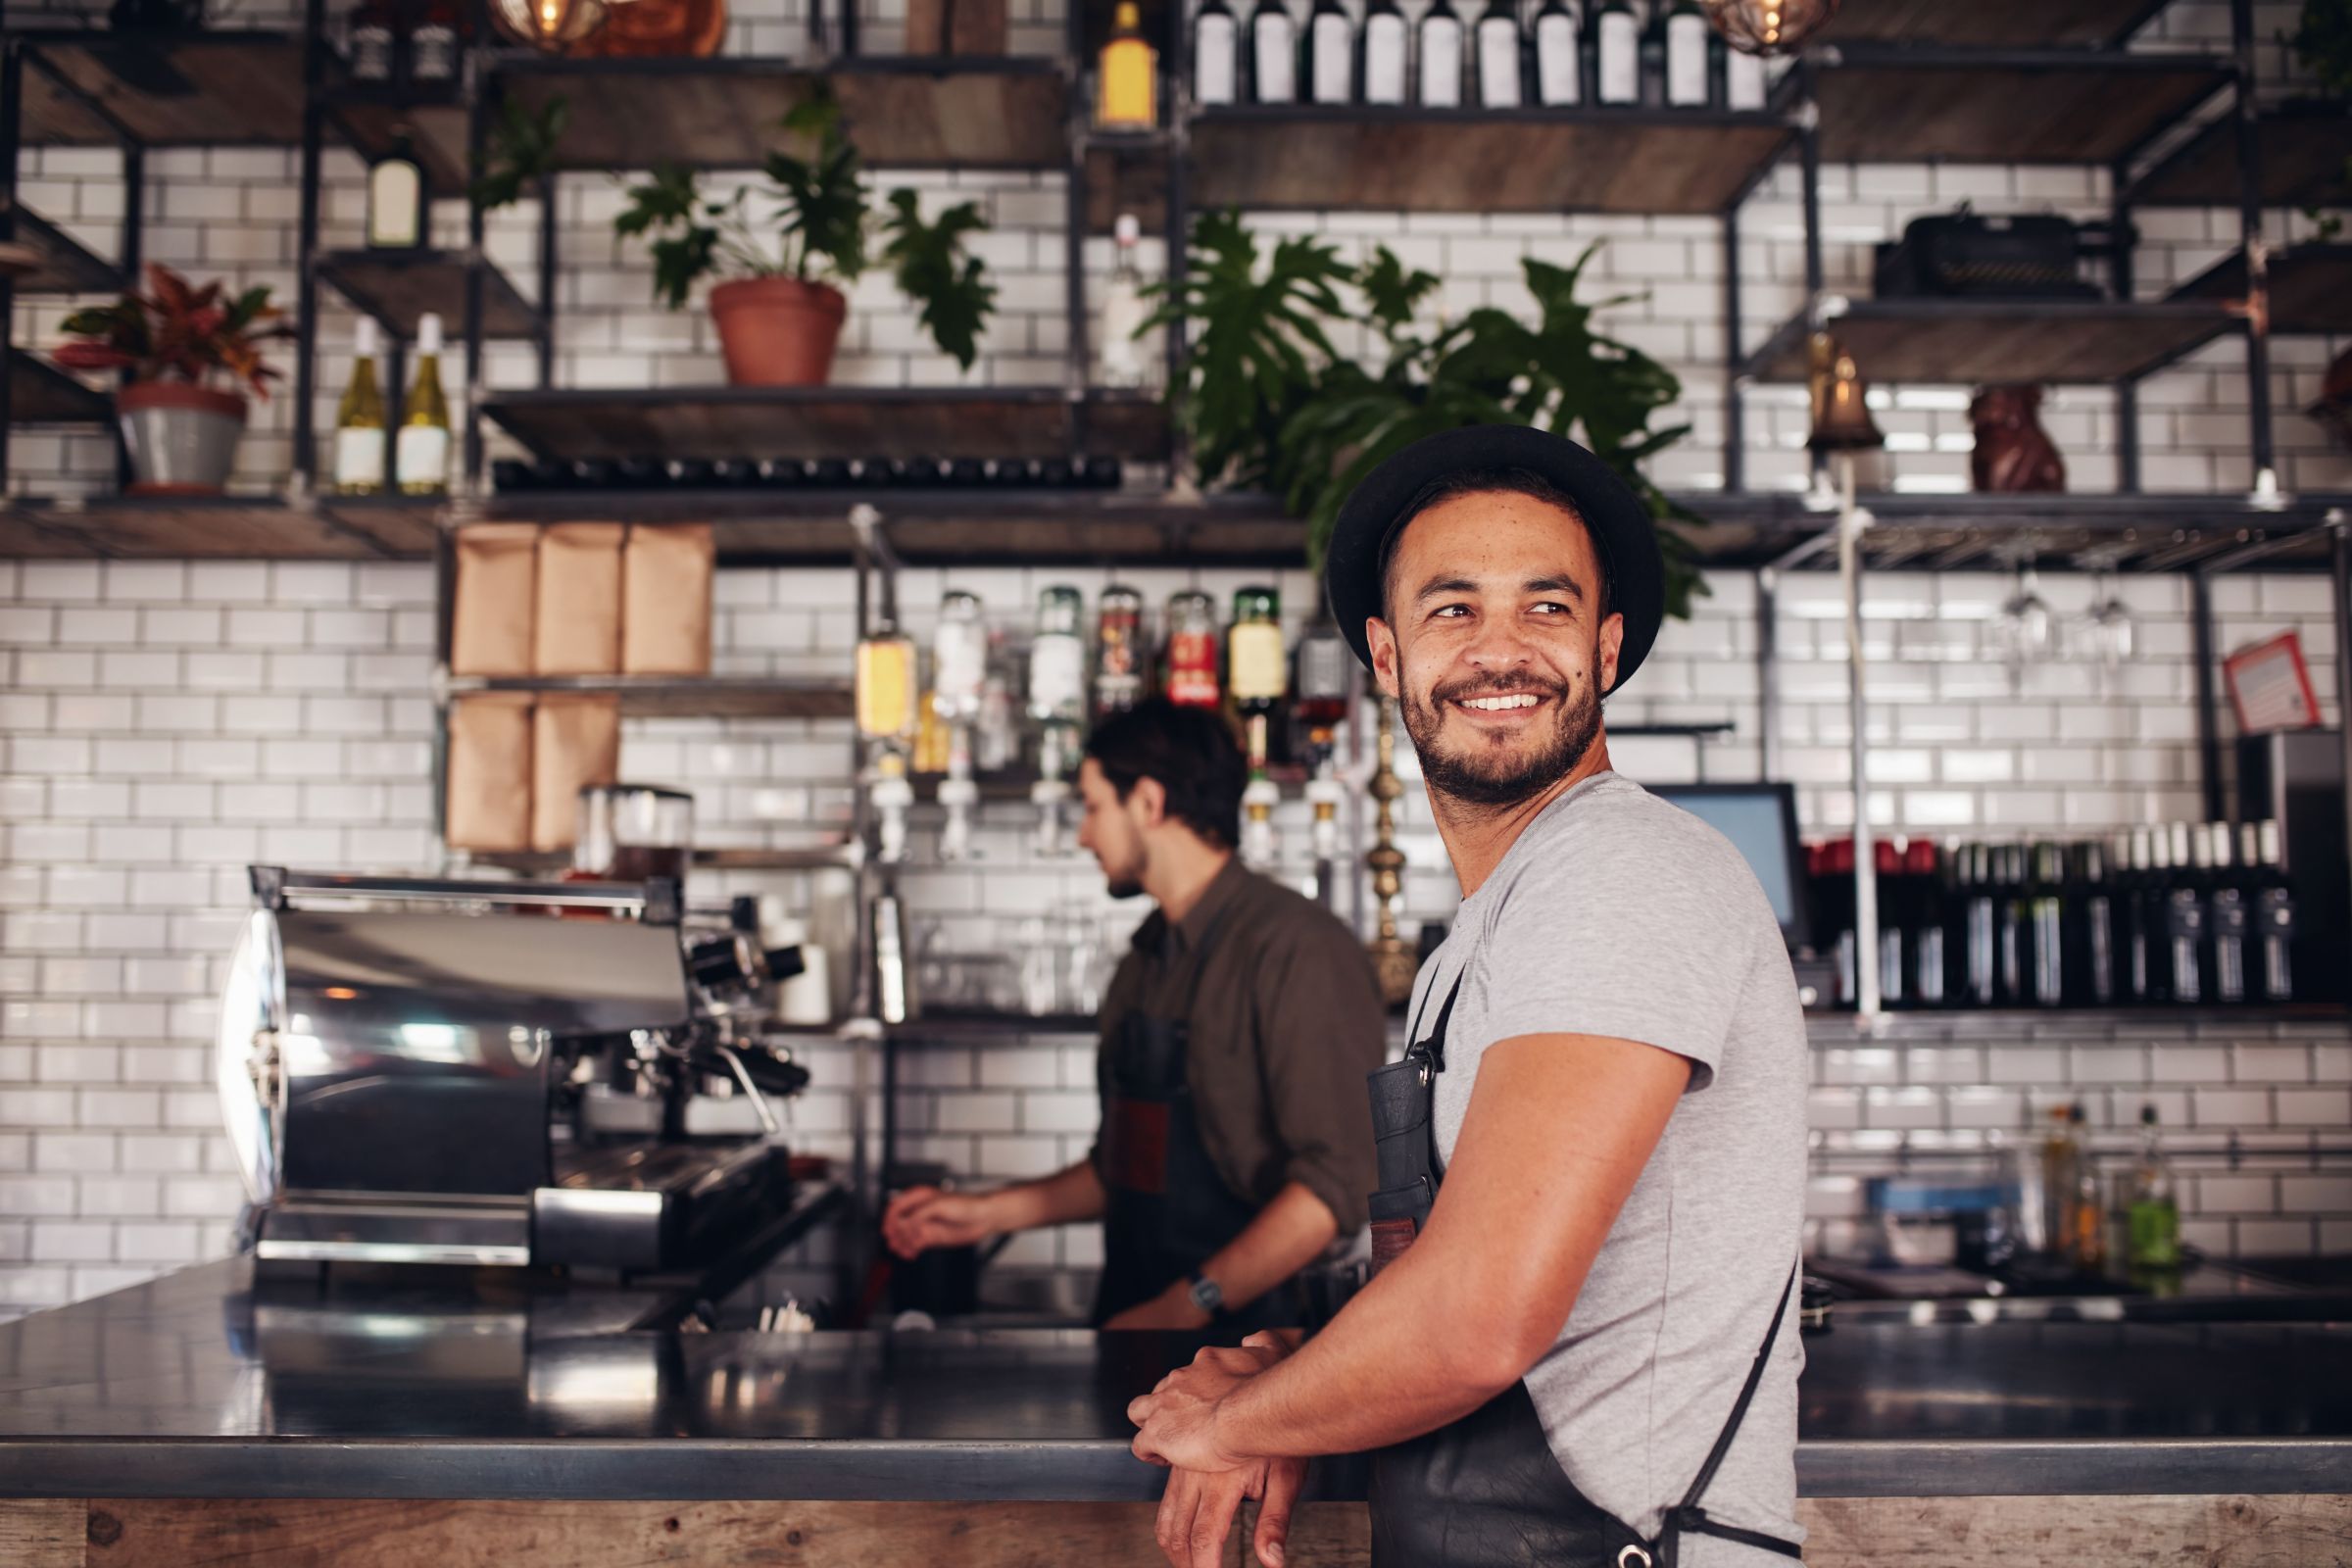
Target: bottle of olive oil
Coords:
[(360, 420), (420, 453)]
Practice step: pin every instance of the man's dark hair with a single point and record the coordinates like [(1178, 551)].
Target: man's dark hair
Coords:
[(1193, 753), (1480, 481)]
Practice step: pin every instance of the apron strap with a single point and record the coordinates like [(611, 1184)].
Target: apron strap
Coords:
[(1748, 1392), (1433, 1046)]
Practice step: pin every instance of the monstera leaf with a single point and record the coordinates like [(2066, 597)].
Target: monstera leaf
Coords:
[(950, 287)]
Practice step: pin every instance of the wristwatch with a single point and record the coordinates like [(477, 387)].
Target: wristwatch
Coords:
[(1207, 1295)]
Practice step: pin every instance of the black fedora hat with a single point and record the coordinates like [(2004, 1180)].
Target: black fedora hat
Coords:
[(1622, 532)]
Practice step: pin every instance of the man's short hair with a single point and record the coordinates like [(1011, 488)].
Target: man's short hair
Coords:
[(1482, 481), (1190, 751)]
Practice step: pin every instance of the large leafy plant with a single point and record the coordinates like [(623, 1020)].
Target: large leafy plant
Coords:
[(1270, 403), (816, 227), (173, 331)]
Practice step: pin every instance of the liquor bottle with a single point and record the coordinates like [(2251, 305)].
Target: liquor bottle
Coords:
[(1127, 74), (1118, 652), (2184, 918), (1685, 40), (1835, 881), (959, 658), (434, 45), (1192, 678), (1216, 55), (2061, 1176), (1273, 53), (1327, 55), (1980, 942), (2152, 1217), (1441, 73), (1744, 86), (1894, 923), (360, 420), (2088, 1228), (2273, 915), (2228, 915), (2142, 947), (421, 456), (1122, 361), (1256, 671), (1321, 686), (1502, 57), (1382, 52), (2091, 929), (2013, 923), (1559, 59), (2046, 913), (1616, 54), (1930, 961), (370, 42), (396, 197), (1057, 706)]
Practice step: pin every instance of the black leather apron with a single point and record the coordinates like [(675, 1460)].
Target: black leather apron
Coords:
[(1169, 1211), (1486, 1492)]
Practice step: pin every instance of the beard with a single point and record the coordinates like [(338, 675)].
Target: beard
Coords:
[(1124, 887), (1495, 777)]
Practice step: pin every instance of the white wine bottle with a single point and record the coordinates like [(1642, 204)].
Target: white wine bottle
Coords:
[(1273, 53), (1688, 45), (1216, 54), (1502, 57), (395, 198), (420, 453), (1328, 46), (360, 420), (1382, 50), (1560, 62), (1616, 54), (1441, 57)]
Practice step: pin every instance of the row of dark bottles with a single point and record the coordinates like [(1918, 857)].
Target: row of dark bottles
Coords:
[(2182, 915), (513, 475)]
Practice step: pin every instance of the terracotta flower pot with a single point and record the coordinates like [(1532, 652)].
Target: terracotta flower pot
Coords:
[(182, 439), (777, 332)]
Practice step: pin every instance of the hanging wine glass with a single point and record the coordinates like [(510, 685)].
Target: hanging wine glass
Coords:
[(2114, 635), (2029, 632)]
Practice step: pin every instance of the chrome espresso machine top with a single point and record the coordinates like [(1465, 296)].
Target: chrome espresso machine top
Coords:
[(482, 1072)]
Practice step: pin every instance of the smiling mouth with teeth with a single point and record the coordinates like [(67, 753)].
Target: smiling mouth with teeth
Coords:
[(1499, 704)]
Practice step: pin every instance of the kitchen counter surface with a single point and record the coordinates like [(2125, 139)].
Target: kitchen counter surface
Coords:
[(202, 1383)]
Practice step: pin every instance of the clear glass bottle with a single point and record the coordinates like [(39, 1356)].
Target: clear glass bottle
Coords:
[(1124, 359), (2152, 1217), (1118, 652), (1192, 650), (1057, 659), (959, 658)]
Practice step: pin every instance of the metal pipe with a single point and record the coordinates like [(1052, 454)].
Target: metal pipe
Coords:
[(304, 480), (2209, 735), (2339, 526), (1075, 366), (2257, 252), (1768, 671), (12, 95), (2126, 391), (547, 280), (477, 139), (1851, 521), (1735, 425), (1808, 145)]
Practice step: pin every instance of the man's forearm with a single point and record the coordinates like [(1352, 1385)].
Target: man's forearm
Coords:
[(1287, 1234), (1061, 1198)]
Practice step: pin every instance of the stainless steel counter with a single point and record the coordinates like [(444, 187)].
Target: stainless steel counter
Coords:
[(203, 1385)]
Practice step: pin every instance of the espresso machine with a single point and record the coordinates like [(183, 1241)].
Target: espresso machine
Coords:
[(500, 1073)]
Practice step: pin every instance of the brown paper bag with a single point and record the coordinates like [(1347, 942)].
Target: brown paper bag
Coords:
[(488, 807), (578, 630), (490, 611), (575, 741), (666, 601)]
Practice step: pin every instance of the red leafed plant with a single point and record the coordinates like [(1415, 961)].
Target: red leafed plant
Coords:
[(178, 332)]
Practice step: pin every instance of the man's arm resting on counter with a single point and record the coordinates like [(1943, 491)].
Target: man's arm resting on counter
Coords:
[(1557, 1131), (1287, 1234)]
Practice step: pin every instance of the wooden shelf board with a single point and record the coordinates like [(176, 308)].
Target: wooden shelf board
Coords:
[(2311, 287), (1126, 179), (1883, 109), (206, 527), (24, 535), (396, 287), (1990, 23), (1968, 342), (671, 697), (826, 421), (39, 393), (214, 89), (2306, 153), (66, 266), (944, 113), (1533, 161)]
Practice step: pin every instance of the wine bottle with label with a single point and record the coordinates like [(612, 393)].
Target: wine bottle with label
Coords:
[(1441, 56), (1616, 54), (1687, 41), (1216, 54), (1380, 53), (1273, 53), (360, 420), (1502, 57), (1327, 49), (1744, 87), (1124, 360), (1127, 74), (396, 197), (2273, 913), (420, 453), (1559, 58)]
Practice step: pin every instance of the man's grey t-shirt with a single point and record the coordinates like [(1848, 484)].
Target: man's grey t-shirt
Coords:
[(1617, 914)]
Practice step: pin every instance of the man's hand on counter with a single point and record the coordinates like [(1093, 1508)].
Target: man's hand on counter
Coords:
[(923, 1218), (1206, 1487)]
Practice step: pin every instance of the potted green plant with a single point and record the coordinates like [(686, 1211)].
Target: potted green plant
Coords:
[(178, 345), (779, 307), (1270, 403)]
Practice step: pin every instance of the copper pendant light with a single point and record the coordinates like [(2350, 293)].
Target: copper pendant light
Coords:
[(1769, 27), (549, 26)]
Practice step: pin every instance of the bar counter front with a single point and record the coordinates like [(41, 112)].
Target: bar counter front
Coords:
[(205, 1419)]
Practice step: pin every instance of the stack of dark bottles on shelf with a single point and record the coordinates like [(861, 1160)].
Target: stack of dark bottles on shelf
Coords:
[(517, 476)]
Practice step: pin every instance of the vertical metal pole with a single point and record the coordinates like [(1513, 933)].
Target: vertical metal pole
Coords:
[(2339, 530), (2126, 391), (1768, 672), (396, 391), (1076, 362), (1808, 146), (2209, 736), (1177, 220), (1734, 424), (12, 108), (1851, 521), (2258, 264), (477, 139), (135, 258), (848, 28), (547, 280), (305, 481)]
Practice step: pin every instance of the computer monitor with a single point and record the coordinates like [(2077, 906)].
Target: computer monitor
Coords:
[(1760, 820)]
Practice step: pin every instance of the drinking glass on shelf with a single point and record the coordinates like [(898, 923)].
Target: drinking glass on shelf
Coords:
[(2029, 632), (1041, 969)]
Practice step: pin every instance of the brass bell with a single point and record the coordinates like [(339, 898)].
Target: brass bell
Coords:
[(1842, 420)]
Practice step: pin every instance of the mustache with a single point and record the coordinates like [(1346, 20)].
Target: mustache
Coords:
[(1497, 686)]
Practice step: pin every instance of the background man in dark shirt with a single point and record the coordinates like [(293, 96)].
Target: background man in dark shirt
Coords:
[(1236, 1141)]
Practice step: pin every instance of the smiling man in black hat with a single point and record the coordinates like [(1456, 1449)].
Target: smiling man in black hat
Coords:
[(1578, 1348)]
